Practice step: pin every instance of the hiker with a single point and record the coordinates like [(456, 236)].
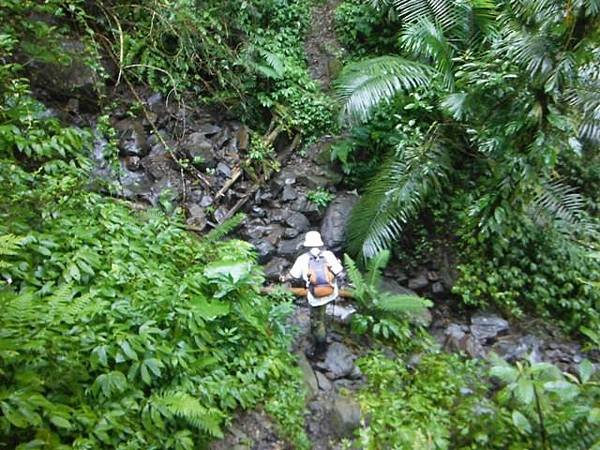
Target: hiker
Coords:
[(318, 268)]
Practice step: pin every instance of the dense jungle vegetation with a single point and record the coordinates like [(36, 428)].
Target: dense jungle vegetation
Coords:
[(476, 122)]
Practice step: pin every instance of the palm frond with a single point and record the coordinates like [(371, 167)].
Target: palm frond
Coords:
[(365, 84), (424, 39), (356, 278), (562, 205), (396, 194), (584, 103)]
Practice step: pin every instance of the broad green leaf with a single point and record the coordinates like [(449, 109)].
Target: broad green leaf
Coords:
[(521, 422), (586, 370), (524, 391)]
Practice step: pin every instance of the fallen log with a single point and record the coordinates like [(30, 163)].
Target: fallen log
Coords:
[(301, 292)]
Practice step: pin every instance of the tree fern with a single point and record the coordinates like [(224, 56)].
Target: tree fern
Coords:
[(9, 243), (365, 84), (404, 304), (224, 229)]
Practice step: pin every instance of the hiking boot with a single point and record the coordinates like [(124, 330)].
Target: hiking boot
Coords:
[(317, 351)]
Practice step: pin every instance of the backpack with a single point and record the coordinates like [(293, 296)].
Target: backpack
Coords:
[(320, 277)]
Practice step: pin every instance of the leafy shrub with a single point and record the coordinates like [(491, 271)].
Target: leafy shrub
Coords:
[(439, 404), (551, 409), (537, 272), (320, 197)]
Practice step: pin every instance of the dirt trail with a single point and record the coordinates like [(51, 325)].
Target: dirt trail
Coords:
[(321, 45)]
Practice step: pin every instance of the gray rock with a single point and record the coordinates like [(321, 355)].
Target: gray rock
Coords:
[(132, 163), (513, 348), (298, 221), (289, 193), (206, 200), (340, 313), (265, 250), (279, 215), (220, 214), (223, 169), (196, 217), (276, 267), (334, 223), (458, 339), (437, 288), (209, 129), (324, 383), (486, 327), (418, 283), (72, 80), (197, 146), (132, 138), (308, 376), (290, 248), (290, 233), (345, 415), (339, 361)]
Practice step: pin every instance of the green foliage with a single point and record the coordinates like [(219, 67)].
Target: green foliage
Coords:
[(384, 313), (552, 410), (439, 404), (320, 197), (539, 273)]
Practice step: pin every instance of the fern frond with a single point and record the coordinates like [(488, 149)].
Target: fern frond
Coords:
[(9, 244), (562, 204), (356, 278), (189, 408), (375, 266), (402, 304), (363, 85), (224, 229)]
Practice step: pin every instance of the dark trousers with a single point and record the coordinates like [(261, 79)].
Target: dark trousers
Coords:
[(318, 328)]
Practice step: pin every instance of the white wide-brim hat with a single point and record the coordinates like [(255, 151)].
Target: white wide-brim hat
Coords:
[(313, 239)]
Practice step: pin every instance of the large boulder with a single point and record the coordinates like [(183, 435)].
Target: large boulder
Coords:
[(339, 362), (345, 415), (132, 138), (71, 79), (487, 327), (334, 223), (308, 376)]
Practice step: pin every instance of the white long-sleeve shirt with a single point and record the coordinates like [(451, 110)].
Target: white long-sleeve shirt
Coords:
[(300, 270)]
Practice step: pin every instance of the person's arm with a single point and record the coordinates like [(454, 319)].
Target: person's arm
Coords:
[(334, 264), (295, 272)]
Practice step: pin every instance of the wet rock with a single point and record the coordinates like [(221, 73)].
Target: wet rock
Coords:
[(513, 348), (458, 339), (289, 193), (257, 211), (308, 376), (159, 166), (298, 221), (132, 163), (323, 382), (199, 148), (264, 249), (136, 185), (345, 415), (209, 129), (418, 283), (220, 214), (223, 169), (341, 313), (437, 288), (334, 223), (279, 215), (196, 217), (273, 233), (72, 80), (339, 361), (290, 248), (290, 233), (308, 208), (275, 267), (206, 200), (486, 327), (132, 138)]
